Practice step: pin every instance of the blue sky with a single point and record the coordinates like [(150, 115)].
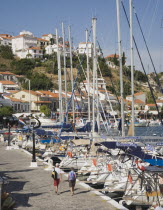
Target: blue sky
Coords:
[(42, 17)]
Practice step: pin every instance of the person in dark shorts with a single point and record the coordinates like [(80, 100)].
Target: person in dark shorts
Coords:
[(72, 180)]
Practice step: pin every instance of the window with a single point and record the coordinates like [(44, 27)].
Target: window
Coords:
[(34, 51), (23, 96), (15, 107)]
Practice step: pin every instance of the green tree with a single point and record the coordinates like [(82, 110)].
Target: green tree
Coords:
[(6, 52), (23, 66), (51, 41), (140, 76), (149, 98), (105, 70), (6, 111), (115, 60), (44, 109), (40, 82), (123, 59)]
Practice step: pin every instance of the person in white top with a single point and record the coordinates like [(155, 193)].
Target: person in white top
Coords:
[(58, 177)]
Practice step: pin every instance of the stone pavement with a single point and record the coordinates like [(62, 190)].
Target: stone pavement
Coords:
[(32, 188)]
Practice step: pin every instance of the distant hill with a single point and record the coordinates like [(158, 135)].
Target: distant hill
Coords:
[(140, 83)]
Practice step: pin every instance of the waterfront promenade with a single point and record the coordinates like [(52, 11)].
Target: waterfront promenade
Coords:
[(32, 188)]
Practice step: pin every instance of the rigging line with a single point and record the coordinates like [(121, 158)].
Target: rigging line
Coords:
[(153, 17), (158, 81), (159, 115), (75, 84), (74, 92), (106, 94), (109, 77)]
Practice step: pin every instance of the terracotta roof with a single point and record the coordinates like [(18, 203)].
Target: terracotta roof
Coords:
[(125, 100), (4, 37), (137, 94), (45, 35), (42, 102), (48, 93), (13, 91), (23, 35), (32, 92), (7, 72), (159, 101), (150, 104), (104, 91), (112, 56), (44, 40), (15, 99), (18, 36), (34, 48), (85, 43), (140, 93), (137, 101), (7, 82)]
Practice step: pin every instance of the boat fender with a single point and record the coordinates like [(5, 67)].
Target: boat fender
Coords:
[(110, 167), (69, 154), (94, 161), (62, 148), (122, 202)]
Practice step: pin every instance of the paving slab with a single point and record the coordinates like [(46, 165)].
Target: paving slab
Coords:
[(32, 188)]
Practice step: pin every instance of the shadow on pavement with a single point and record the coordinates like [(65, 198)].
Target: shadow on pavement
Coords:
[(22, 199), (84, 191)]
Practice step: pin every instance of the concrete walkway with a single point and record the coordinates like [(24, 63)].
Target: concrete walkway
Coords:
[(32, 188)]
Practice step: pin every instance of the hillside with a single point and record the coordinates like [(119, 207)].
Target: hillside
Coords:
[(43, 68)]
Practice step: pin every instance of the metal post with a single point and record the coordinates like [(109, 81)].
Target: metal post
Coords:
[(34, 152), (9, 134), (120, 65), (71, 68), (88, 80), (59, 79), (132, 69), (29, 83), (94, 70), (65, 72)]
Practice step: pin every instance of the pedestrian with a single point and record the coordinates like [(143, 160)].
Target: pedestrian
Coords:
[(72, 180), (58, 177)]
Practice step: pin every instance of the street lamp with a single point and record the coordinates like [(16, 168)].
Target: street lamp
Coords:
[(34, 163), (29, 99), (29, 85)]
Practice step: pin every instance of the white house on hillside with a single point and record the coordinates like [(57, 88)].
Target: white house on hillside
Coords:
[(5, 39), (9, 85), (82, 48), (42, 42), (48, 37), (50, 49), (141, 96), (23, 45)]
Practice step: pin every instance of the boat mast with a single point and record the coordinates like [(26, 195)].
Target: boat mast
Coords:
[(71, 69), (65, 72), (94, 71), (120, 65), (88, 79), (59, 79), (132, 68)]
